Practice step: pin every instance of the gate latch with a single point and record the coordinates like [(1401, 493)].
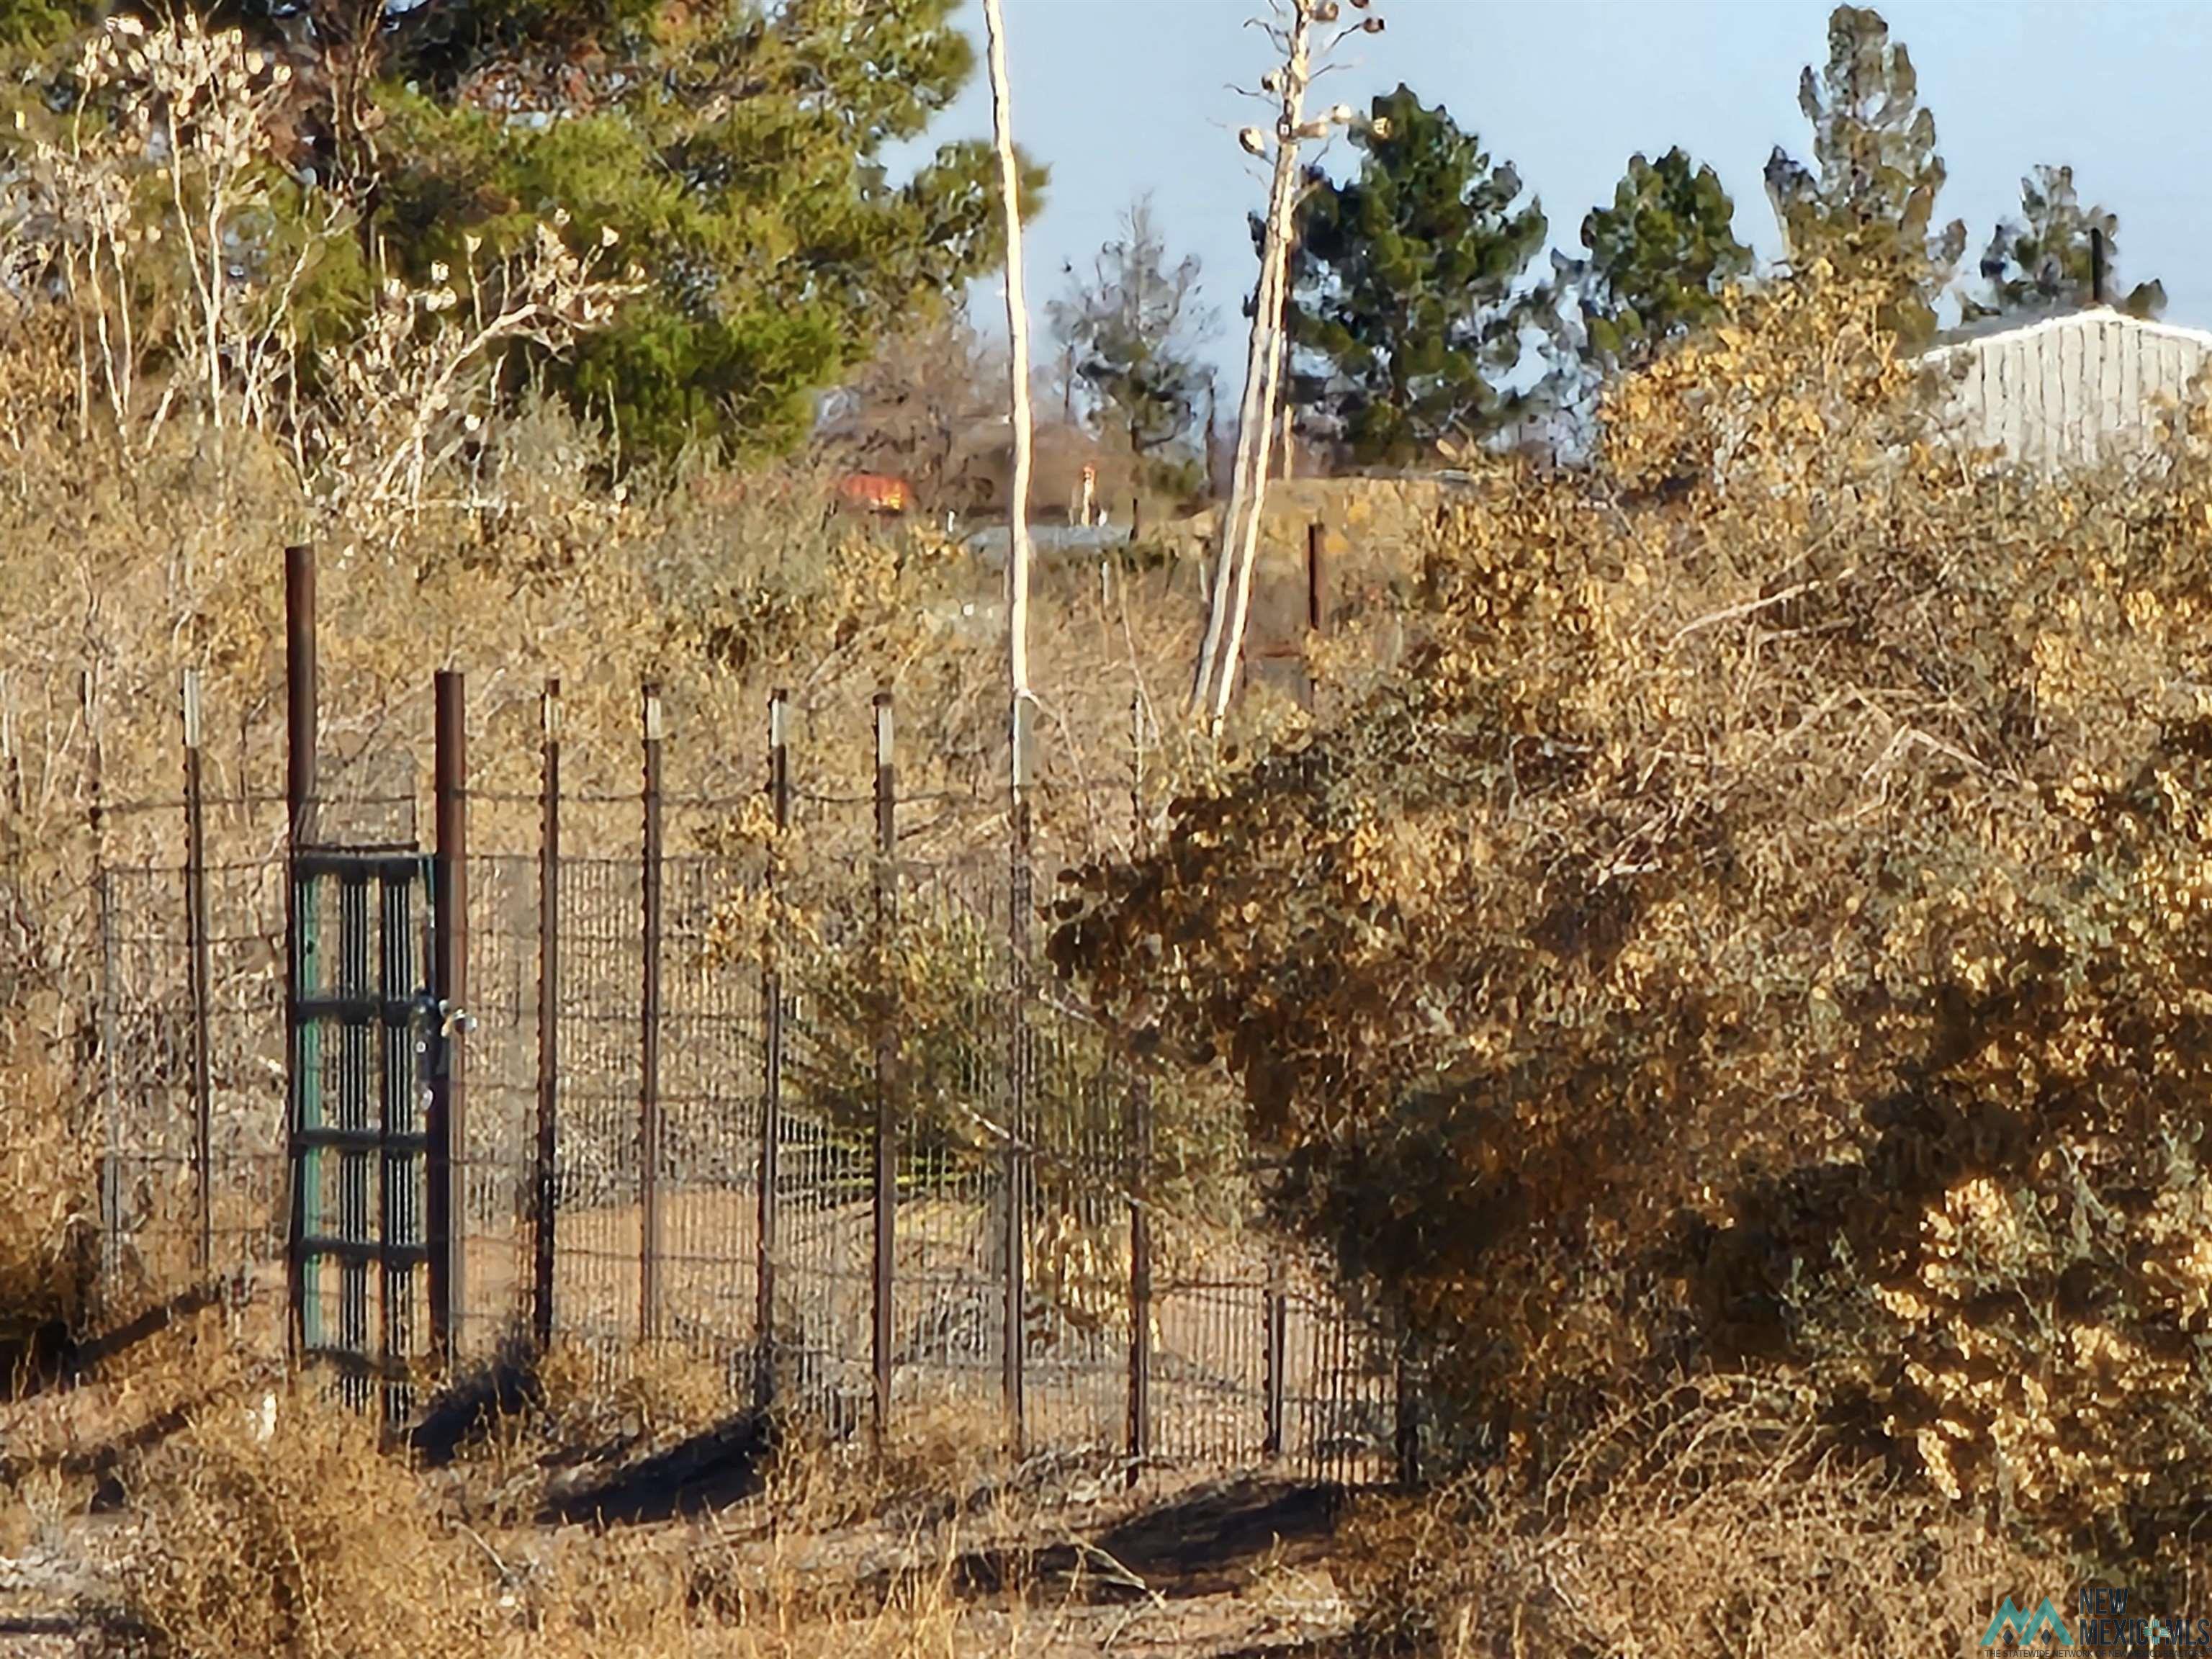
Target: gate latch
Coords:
[(447, 1019)]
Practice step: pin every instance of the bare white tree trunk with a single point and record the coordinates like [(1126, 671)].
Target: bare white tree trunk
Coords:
[(1239, 550), (1017, 389), (1248, 547), (1216, 670)]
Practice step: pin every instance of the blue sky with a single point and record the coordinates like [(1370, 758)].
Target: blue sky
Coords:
[(1123, 96)]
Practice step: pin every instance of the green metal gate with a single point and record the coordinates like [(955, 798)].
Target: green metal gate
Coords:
[(367, 1045)]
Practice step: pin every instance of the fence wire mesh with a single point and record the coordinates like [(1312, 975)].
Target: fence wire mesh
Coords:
[(149, 1018), (902, 996)]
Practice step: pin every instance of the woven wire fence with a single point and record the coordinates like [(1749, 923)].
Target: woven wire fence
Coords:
[(701, 1154), (156, 1228)]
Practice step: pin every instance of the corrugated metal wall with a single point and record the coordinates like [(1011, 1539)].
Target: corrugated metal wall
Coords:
[(2072, 389)]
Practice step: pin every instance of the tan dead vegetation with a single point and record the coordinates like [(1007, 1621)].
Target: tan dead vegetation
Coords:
[(272, 1520), (264, 1517), (48, 1244), (1715, 1522), (168, 1489)]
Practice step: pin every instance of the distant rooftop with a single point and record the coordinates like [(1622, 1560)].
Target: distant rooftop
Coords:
[(2061, 388), (2040, 321)]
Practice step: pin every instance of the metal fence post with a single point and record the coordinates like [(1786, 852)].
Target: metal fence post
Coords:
[(1015, 1345), (1408, 1425), (400, 1122), (357, 1151), (1316, 605), (195, 923), (771, 1122), (445, 1210), (1141, 1172), (885, 1189), (1277, 1311), (302, 1164), (648, 1060), (543, 1215), (301, 705), (101, 1029), (11, 762), (1141, 1270), (1316, 579)]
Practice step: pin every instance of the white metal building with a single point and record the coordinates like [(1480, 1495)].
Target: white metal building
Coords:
[(2082, 386)]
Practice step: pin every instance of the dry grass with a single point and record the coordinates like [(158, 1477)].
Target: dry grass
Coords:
[(257, 1518), (280, 1525), (1718, 1522), (273, 1521), (49, 1209), (283, 1529)]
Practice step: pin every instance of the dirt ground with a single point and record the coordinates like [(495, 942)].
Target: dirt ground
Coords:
[(1232, 1568), (779, 1548)]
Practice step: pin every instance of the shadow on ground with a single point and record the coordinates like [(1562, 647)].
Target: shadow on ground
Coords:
[(605, 1484), (711, 1470), (52, 1356), (1205, 1543)]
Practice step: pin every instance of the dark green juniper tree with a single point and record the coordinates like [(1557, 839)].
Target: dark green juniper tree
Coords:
[(2043, 259), (1409, 310), (1867, 204), (735, 147)]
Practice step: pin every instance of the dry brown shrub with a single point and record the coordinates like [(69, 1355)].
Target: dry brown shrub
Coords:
[(278, 1526), (520, 1431), (1715, 1522), (132, 1386), (49, 1229), (644, 1395), (941, 1459), (276, 1522), (837, 1550), (1762, 928), (794, 1597)]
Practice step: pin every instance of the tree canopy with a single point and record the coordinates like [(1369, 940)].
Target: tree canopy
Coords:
[(2044, 257), (1408, 303), (734, 151), (1659, 257), (1134, 327), (1866, 207)]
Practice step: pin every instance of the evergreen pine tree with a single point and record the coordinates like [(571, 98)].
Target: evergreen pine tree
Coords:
[(1867, 205), (2044, 260), (1658, 259), (733, 149), (1408, 308)]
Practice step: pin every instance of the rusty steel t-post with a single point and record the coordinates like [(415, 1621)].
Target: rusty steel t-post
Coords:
[(1014, 1347), (301, 706), (648, 1060), (1141, 1270), (771, 1119), (198, 966), (1316, 579), (1276, 1309), (300, 695), (1139, 1171), (444, 1209), (884, 1185), (543, 1195)]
